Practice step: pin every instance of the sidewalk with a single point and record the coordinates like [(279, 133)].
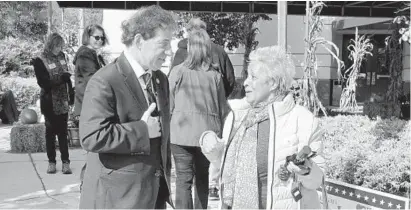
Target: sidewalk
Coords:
[(21, 187)]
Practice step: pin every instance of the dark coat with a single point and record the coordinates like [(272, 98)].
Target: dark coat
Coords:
[(220, 57), (87, 63), (118, 173), (46, 83)]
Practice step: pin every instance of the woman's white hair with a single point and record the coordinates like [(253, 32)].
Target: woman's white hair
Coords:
[(275, 64)]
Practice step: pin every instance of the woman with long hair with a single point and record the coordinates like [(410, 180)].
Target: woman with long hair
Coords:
[(55, 97), (198, 103), (87, 61)]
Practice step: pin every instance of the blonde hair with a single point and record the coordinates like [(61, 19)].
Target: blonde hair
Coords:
[(275, 64), (199, 53), (53, 41)]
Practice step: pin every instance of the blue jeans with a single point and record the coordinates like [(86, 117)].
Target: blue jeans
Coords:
[(191, 164)]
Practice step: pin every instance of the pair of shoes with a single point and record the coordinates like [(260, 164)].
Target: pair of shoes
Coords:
[(213, 194), (52, 168), (66, 168)]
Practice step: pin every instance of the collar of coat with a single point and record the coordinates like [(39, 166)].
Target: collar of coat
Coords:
[(280, 107)]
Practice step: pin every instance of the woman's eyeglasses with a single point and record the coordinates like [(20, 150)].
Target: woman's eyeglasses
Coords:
[(99, 37)]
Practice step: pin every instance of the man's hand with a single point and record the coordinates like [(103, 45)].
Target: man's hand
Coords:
[(154, 128)]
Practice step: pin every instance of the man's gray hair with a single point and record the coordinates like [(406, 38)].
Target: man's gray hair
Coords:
[(145, 22), (274, 63)]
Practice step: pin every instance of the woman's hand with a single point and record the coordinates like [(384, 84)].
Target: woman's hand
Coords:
[(300, 170), (209, 141)]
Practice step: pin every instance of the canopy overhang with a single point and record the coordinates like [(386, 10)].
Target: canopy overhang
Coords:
[(333, 8)]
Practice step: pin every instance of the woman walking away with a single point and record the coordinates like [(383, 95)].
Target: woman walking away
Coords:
[(198, 103)]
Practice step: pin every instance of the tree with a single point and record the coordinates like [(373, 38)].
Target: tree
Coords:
[(400, 32), (26, 19), (230, 30)]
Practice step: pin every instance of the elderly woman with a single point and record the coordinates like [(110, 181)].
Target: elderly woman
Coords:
[(260, 132)]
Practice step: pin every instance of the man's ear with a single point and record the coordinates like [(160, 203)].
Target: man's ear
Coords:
[(138, 40)]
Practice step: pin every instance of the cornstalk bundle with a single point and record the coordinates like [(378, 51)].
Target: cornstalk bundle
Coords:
[(359, 48), (313, 39), (394, 58)]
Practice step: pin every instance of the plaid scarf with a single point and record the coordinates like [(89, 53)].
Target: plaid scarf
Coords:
[(239, 177)]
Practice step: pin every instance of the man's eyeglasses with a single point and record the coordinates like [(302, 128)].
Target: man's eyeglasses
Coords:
[(99, 37)]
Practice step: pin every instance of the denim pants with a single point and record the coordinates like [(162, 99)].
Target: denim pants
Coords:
[(191, 167)]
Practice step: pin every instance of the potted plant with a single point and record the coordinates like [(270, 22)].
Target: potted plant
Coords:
[(73, 131)]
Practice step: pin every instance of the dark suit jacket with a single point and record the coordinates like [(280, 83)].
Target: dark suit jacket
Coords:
[(220, 57), (119, 173)]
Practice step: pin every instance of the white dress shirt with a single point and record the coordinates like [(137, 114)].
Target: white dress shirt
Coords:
[(139, 71)]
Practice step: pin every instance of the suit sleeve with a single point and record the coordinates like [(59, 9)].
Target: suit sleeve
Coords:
[(100, 129), (310, 134), (229, 77)]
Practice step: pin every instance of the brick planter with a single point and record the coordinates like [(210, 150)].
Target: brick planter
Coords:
[(28, 138)]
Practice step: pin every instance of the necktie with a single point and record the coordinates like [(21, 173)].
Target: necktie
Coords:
[(150, 93)]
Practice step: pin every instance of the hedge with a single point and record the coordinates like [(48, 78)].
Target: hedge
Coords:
[(25, 90), (28, 138), (370, 153), (16, 55)]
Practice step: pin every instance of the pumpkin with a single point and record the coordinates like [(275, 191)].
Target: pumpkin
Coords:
[(28, 116)]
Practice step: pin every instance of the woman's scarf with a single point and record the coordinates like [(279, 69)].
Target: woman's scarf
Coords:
[(240, 176)]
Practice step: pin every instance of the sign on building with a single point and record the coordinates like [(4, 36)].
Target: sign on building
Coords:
[(347, 196)]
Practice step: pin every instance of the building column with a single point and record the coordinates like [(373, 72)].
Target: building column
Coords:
[(282, 23)]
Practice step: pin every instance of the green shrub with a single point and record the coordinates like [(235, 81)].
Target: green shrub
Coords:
[(370, 153), (28, 138), (25, 90), (16, 55), (381, 109)]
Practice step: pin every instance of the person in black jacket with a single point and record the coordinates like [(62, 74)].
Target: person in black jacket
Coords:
[(56, 95), (87, 61), (219, 56)]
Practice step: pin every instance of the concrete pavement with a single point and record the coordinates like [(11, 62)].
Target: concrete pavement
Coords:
[(20, 185)]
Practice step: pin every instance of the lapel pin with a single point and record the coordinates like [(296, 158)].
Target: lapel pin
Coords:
[(157, 81)]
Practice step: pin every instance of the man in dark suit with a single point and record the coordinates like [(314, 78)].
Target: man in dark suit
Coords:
[(125, 120)]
